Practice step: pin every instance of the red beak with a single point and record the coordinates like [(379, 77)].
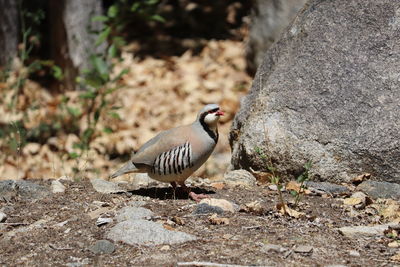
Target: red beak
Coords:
[(220, 113)]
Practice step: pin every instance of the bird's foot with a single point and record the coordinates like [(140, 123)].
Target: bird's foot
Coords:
[(197, 197)]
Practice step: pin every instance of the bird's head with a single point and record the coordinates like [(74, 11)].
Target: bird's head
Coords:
[(210, 114)]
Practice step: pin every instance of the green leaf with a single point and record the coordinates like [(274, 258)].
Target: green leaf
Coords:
[(294, 193), (99, 18), (107, 130), (76, 112), (57, 72), (103, 36), (96, 115), (88, 95), (114, 115), (101, 67), (135, 7), (73, 155), (112, 11), (122, 73), (157, 18), (112, 51), (151, 2)]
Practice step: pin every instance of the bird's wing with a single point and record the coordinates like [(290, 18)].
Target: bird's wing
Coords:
[(162, 142)]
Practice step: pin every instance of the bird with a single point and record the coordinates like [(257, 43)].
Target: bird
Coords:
[(175, 154)]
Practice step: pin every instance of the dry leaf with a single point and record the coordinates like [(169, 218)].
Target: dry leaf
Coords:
[(178, 220), (291, 212), (396, 257), (214, 219), (254, 206)]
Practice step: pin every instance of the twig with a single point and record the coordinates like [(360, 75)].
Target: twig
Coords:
[(251, 227), (15, 223), (210, 264), (57, 248)]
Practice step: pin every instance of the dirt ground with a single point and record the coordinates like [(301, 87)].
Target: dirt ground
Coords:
[(58, 231)]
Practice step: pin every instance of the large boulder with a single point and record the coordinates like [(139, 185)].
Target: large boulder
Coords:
[(328, 92), (268, 19)]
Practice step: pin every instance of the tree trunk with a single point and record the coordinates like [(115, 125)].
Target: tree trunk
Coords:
[(71, 40), (8, 31)]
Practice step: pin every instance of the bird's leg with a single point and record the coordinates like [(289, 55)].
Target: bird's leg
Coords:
[(193, 195), (174, 189)]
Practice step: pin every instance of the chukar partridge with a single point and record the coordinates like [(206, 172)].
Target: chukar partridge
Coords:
[(173, 155)]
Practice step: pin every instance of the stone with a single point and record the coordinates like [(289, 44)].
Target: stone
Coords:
[(330, 188), (273, 247), (204, 208), (224, 204), (133, 213), (363, 231), (102, 247), (268, 19), (3, 217), (147, 233), (377, 189), (57, 187), (239, 178), (25, 189), (303, 249), (324, 97), (354, 253), (102, 221), (106, 187)]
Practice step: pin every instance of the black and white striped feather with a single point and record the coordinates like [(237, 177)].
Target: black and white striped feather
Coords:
[(174, 161)]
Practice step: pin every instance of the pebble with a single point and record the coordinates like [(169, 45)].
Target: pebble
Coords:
[(394, 244), (102, 221), (57, 187), (3, 217), (273, 247), (224, 204), (303, 249), (204, 208), (133, 213), (105, 187), (165, 247), (102, 247), (363, 231), (327, 187), (354, 253), (239, 178)]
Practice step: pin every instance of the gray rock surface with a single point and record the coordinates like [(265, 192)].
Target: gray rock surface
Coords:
[(268, 19), (239, 177), (362, 231), (142, 232), (102, 247), (380, 189), (327, 187), (10, 189), (133, 229), (57, 187), (3, 217), (106, 187), (133, 213), (327, 92), (204, 208)]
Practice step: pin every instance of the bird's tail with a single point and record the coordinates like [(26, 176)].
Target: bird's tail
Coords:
[(127, 168)]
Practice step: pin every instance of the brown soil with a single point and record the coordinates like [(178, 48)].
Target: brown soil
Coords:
[(239, 242)]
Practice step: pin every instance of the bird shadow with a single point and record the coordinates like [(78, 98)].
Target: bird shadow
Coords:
[(164, 193)]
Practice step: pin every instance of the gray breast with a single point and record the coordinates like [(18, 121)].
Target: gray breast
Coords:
[(173, 161)]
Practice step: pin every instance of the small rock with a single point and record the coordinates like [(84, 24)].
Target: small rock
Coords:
[(224, 204), (25, 189), (303, 249), (214, 219), (57, 187), (147, 233), (165, 248), (102, 247), (394, 244), (133, 213), (240, 178), (354, 253), (3, 217), (273, 187), (96, 213), (363, 231), (254, 207), (101, 221), (327, 187), (377, 189), (204, 208), (106, 187), (275, 248), (358, 199)]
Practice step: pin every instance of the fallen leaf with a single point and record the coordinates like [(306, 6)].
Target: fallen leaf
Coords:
[(288, 211), (214, 219)]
